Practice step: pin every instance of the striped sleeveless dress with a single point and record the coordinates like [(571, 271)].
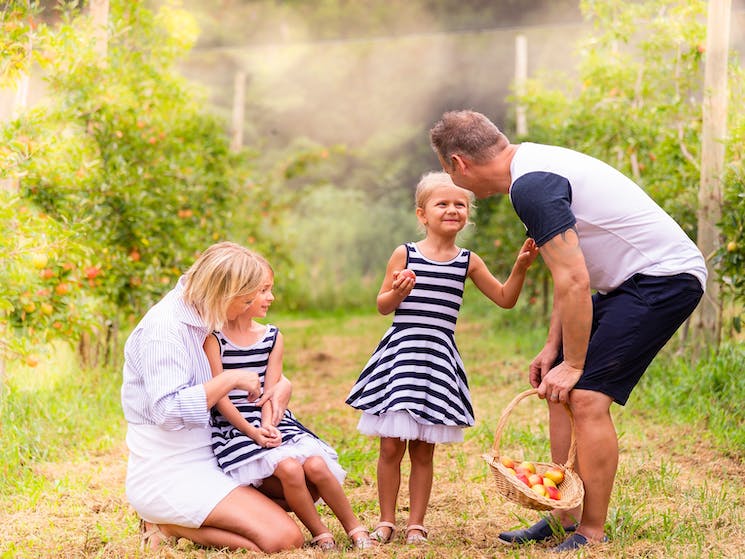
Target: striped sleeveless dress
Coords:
[(414, 385), (239, 455)]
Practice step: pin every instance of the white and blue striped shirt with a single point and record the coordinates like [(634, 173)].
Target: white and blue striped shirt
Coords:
[(165, 367)]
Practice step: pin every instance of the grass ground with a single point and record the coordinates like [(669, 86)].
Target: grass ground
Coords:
[(678, 493)]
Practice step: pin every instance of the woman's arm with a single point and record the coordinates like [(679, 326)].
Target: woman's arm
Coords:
[(395, 287)]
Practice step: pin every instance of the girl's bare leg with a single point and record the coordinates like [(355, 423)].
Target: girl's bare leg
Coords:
[(318, 473), (292, 477), (420, 482), (389, 477)]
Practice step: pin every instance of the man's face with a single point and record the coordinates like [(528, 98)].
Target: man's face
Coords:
[(468, 175)]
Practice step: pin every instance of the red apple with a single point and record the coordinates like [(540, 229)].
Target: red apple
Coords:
[(523, 478), (535, 479), (529, 465), (406, 273), (553, 493)]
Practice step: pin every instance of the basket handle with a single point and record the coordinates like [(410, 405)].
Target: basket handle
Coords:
[(503, 421)]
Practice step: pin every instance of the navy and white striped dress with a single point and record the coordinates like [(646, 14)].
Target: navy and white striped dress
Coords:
[(414, 386), (238, 454)]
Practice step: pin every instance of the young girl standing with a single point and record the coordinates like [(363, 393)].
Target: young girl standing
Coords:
[(258, 446), (413, 391)]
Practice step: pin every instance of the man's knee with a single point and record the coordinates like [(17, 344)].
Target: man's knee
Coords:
[(589, 404)]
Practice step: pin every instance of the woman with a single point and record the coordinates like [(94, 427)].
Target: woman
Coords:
[(173, 480)]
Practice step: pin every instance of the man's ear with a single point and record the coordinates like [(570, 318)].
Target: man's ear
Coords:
[(459, 164)]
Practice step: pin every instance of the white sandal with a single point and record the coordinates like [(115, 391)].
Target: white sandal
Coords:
[(379, 536), (364, 541), (324, 542), (416, 539)]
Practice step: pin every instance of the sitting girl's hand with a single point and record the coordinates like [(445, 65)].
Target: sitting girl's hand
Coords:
[(268, 437)]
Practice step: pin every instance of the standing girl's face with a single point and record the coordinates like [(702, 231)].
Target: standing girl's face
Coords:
[(445, 211), (263, 298)]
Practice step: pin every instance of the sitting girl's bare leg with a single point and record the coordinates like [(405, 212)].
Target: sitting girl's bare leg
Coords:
[(318, 473), (292, 476)]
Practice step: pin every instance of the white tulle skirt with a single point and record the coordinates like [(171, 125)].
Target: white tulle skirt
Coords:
[(401, 425), (257, 470)]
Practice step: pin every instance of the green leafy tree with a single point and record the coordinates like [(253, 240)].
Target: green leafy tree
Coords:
[(123, 153)]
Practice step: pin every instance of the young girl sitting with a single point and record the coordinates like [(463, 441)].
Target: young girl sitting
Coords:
[(413, 390), (278, 453)]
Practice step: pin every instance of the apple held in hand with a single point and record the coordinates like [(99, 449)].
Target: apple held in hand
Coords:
[(406, 273)]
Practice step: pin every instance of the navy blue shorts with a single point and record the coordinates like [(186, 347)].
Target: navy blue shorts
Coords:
[(630, 325)]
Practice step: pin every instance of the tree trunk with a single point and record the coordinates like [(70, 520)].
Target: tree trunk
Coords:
[(707, 324)]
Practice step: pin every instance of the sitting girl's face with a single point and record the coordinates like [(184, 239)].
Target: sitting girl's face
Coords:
[(238, 305)]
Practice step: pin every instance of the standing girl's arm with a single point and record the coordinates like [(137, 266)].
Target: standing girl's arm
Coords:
[(395, 287), (503, 294), (271, 378), (224, 405)]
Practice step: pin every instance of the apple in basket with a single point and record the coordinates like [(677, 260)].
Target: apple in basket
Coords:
[(507, 462), (555, 475), (553, 493), (527, 465)]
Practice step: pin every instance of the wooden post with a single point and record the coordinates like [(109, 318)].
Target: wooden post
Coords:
[(707, 319), (521, 76), (239, 95), (99, 13)]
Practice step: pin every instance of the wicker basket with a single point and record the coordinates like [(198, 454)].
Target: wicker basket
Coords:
[(572, 490)]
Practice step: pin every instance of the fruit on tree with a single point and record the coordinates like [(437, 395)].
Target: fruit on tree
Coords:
[(39, 260)]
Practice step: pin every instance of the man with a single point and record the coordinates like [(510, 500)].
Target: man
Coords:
[(596, 230)]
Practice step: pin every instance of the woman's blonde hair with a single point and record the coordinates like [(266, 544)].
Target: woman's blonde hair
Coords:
[(221, 273)]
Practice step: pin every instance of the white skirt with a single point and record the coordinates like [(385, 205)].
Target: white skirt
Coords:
[(257, 470), (401, 425), (173, 476)]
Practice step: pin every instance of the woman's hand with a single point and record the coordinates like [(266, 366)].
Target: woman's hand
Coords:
[(279, 396), (248, 381)]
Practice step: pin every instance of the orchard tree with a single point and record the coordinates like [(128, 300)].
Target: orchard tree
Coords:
[(124, 153)]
